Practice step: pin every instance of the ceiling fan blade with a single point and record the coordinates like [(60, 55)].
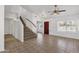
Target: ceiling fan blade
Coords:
[(61, 10)]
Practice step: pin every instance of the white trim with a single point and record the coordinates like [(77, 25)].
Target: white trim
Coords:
[(2, 49)]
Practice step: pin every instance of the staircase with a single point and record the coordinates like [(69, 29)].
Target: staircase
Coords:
[(28, 33)]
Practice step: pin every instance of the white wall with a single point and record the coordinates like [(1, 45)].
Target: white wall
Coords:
[(7, 29), (13, 24), (53, 27), (17, 29), (1, 28)]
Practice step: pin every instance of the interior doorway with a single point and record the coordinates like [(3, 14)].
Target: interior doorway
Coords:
[(46, 27)]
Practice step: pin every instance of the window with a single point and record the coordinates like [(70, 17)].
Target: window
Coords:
[(69, 25)]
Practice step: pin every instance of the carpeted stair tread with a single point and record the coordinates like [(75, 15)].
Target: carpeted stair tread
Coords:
[(30, 37), (28, 34)]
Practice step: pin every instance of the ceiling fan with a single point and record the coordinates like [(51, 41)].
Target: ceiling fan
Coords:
[(56, 11)]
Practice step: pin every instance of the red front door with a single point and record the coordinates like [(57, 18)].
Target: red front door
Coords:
[(46, 27)]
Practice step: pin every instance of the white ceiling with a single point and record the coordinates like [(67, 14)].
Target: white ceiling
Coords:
[(70, 9), (38, 9)]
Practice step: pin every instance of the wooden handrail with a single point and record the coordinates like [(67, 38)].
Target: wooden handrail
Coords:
[(30, 22), (22, 21)]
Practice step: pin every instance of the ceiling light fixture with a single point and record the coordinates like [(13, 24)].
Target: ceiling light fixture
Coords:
[(56, 10)]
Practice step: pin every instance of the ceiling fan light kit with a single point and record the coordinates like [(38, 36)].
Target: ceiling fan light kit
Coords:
[(56, 11)]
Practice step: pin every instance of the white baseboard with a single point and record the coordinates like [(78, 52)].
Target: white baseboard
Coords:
[(2, 50), (67, 36)]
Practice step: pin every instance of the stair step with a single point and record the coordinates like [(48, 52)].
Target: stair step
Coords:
[(26, 28), (27, 31), (30, 37), (28, 34)]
